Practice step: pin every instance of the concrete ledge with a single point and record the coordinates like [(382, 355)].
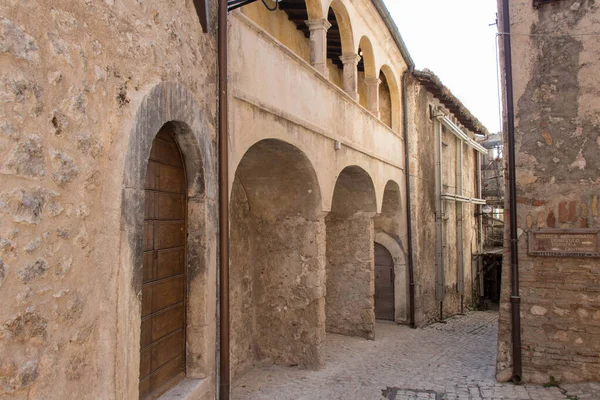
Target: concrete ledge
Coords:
[(189, 389)]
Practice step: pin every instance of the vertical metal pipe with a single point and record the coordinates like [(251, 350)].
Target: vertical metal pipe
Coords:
[(476, 274), (224, 365), (409, 236), (479, 207), (515, 299)]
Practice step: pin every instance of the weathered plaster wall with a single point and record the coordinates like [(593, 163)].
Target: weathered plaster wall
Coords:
[(557, 106), (278, 24), (422, 159), (298, 105), (73, 77), (280, 27)]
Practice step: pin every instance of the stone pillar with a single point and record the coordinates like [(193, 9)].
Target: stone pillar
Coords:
[(372, 85), (318, 44), (289, 291), (351, 74), (350, 304)]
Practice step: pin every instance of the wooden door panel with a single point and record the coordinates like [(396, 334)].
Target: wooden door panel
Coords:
[(162, 340), (166, 322), (151, 205), (384, 284), (148, 274), (167, 293), (170, 263), (171, 179), (171, 206), (148, 235), (169, 234), (168, 153), (164, 375), (165, 350)]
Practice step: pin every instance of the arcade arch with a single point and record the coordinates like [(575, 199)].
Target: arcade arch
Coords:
[(277, 266), (350, 275)]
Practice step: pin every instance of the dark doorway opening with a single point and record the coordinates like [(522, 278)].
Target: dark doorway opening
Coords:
[(384, 284)]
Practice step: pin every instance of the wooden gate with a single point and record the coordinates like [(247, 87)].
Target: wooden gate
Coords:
[(162, 356), (384, 284)]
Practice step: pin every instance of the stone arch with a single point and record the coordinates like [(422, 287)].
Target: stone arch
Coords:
[(354, 192), (368, 79), (277, 264), (345, 26), (391, 208), (400, 274), (368, 57), (391, 116), (350, 269), (172, 103), (315, 9)]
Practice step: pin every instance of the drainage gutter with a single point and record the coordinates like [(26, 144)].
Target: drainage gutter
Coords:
[(224, 353), (515, 299)]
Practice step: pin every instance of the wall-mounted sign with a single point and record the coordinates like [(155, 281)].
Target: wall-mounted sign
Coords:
[(564, 243)]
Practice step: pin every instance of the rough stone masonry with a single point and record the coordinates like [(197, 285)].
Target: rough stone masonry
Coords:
[(556, 56)]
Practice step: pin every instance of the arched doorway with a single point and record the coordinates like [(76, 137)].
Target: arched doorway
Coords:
[(162, 340), (384, 284)]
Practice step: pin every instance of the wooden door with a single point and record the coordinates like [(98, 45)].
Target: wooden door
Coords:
[(162, 353), (384, 284)]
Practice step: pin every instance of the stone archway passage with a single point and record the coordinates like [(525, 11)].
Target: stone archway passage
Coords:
[(278, 261), (384, 284), (162, 352), (350, 236)]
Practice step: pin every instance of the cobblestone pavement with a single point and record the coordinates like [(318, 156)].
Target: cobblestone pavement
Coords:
[(451, 361)]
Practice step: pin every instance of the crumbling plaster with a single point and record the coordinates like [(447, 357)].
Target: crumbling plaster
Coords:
[(557, 115)]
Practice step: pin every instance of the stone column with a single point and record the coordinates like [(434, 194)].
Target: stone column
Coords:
[(350, 305), (318, 44), (372, 85), (351, 74)]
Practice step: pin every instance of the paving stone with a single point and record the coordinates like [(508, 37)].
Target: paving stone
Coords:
[(451, 361)]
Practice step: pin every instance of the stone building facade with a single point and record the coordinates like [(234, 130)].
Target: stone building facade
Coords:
[(555, 59), (108, 229)]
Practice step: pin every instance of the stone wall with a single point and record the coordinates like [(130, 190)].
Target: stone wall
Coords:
[(74, 75), (422, 159), (350, 276), (557, 107)]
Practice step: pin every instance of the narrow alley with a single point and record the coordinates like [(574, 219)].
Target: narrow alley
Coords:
[(455, 360)]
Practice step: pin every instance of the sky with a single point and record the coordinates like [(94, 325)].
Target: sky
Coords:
[(453, 39)]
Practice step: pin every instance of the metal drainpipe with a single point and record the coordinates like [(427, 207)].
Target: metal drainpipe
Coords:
[(459, 226), (439, 218), (409, 236), (224, 360), (515, 299), (476, 274)]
